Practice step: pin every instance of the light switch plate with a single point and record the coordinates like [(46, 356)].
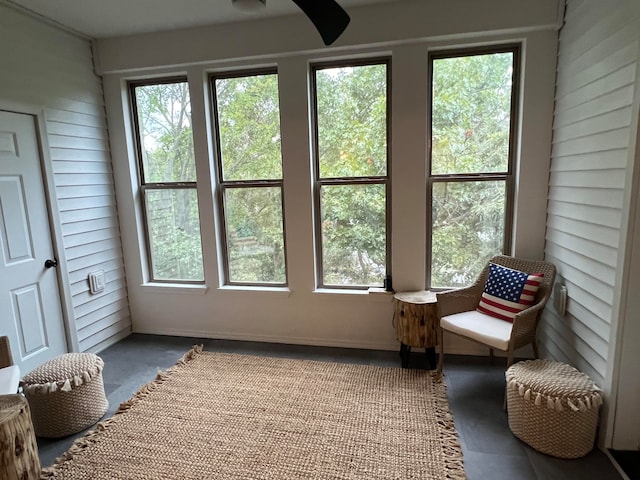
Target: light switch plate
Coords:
[(96, 281)]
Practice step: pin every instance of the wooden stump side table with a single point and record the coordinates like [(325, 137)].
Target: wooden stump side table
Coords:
[(18, 448), (417, 324)]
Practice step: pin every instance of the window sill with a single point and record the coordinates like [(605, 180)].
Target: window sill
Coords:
[(278, 291), (377, 294), (369, 291), (180, 288), (380, 291)]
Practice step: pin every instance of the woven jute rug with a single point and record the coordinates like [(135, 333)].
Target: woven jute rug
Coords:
[(228, 416)]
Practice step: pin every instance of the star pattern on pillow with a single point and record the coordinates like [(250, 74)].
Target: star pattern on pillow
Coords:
[(507, 292)]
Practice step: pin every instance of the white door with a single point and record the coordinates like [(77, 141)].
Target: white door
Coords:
[(30, 309)]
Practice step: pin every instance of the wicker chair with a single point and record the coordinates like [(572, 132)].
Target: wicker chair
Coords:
[(489, 331)]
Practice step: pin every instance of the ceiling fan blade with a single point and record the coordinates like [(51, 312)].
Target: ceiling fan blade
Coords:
[(329, 18)]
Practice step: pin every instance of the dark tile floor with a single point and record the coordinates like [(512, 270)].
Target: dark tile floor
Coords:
[(475, 392), (629, 461)]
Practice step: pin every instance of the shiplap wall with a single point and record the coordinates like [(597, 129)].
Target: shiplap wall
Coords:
[(596, 74), (46, 68)]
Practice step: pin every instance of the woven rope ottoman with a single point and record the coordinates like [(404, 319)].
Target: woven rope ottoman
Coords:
[(66, 394), (553, 407)]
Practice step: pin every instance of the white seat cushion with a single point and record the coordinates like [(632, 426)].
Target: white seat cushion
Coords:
[(9, 380), (479, 327)]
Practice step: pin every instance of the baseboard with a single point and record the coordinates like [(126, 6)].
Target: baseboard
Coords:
[(456, 349), (109, 341), (316, 342), (616, 465)]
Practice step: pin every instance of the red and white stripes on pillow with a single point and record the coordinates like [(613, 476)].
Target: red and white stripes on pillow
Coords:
[(507, 292)]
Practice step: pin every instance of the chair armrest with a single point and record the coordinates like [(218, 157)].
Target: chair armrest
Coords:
[(462, 299), (459, 300), (525, 324), (5, 353)]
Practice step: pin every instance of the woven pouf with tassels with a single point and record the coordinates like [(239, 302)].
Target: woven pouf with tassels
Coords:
[(66, 394), (553, 407)]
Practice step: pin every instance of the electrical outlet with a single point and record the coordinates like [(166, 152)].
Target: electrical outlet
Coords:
[(96, 281), (560, 298)]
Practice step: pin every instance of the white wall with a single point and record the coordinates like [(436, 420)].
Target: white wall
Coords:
[(299, 314), (386, 23), (49, 71), (598, 53), (592, 199), (623, 432)]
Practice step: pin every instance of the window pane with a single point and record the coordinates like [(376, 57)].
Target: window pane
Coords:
[(352, 121), (353, 234), (174, 234), (255, 240), (468, 229), (249, 127), (471, 113), (166, 141)]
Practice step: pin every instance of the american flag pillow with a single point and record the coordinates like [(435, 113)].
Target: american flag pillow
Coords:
[(507, 292)]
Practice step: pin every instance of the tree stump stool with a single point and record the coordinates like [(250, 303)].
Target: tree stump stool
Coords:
[(416, 320), (18, 449)]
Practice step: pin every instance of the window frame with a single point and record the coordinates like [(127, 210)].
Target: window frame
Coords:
[(319, 182), (144, 186), (507, 176), (221, 185)]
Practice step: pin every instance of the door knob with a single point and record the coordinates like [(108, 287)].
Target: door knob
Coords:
[(51, 263)]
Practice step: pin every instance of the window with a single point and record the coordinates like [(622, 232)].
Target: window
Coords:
[(249, 171), (167, 175), (473, 120), (351, 152)]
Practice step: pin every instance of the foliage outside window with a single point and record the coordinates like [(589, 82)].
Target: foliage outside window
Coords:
[(473, 106), (351, 110), (162, 117), (250, 189)]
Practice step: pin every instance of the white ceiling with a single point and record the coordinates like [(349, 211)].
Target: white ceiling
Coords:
[(110, 18)]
